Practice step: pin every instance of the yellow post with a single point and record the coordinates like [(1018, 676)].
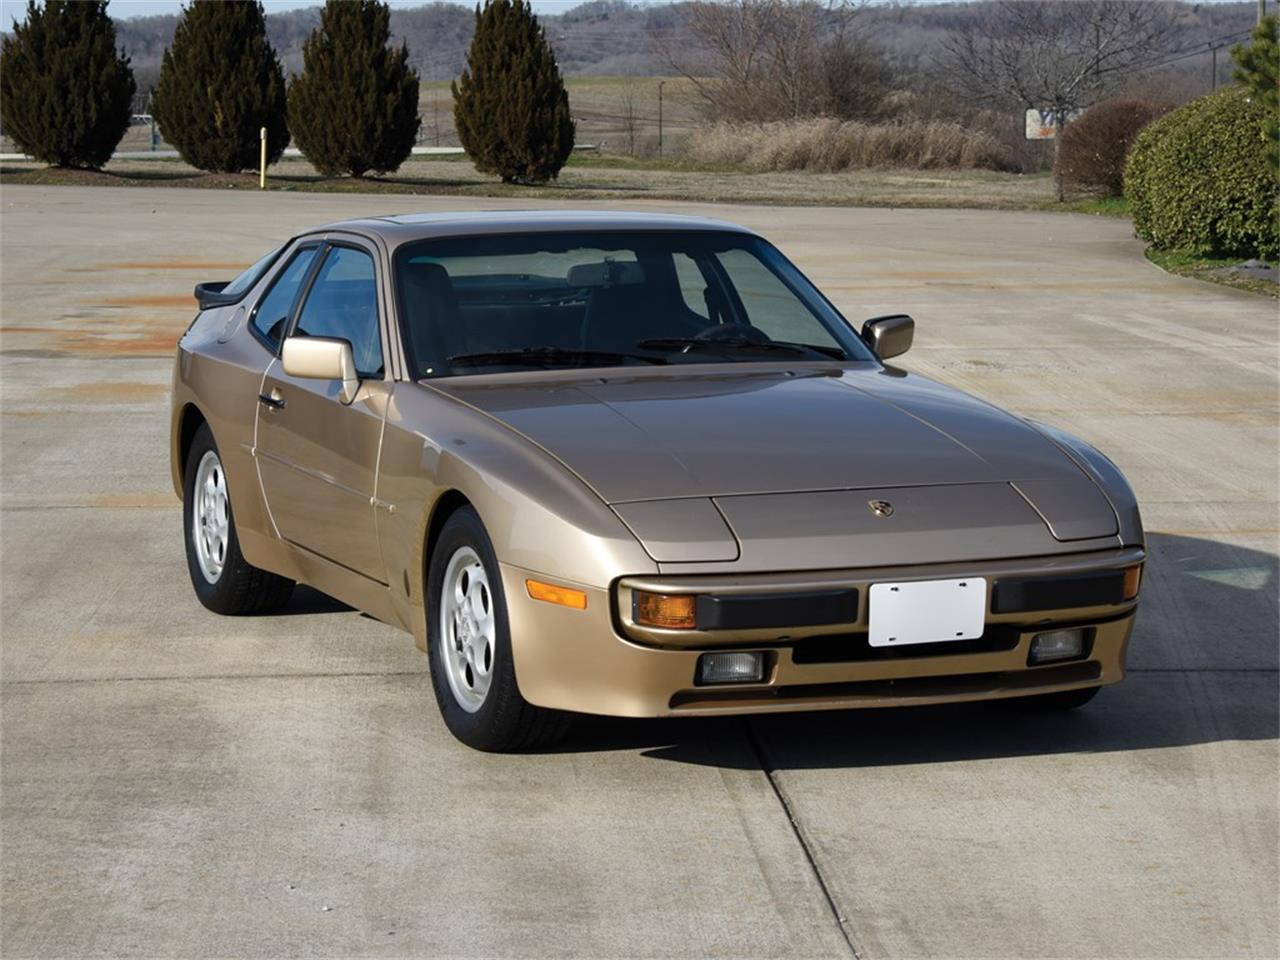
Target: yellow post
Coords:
[(262, 161)]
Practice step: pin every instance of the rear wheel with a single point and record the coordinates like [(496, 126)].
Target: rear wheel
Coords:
[(469, 645), (223, 580), (1054, 702)]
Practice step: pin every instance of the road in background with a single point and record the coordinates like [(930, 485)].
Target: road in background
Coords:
[(620, 111), (176, 783)]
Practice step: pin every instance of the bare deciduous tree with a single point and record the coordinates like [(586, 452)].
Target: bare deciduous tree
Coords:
[(628, 116), (1058, 57), (778, 59)]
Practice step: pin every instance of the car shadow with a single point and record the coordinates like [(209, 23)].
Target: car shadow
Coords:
[(1202, 668), (307, 600)]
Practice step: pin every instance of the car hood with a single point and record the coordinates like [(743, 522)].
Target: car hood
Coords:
[(719, 434), (777, 469)]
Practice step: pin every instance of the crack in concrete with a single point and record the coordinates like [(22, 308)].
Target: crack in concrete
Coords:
[(770, 773)]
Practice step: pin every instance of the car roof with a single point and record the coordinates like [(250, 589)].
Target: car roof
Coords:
[(401, 228)]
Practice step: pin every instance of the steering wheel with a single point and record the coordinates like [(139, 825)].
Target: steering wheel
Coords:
[(731, 332)]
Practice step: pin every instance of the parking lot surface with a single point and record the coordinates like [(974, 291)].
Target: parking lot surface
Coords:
[(178, 784)]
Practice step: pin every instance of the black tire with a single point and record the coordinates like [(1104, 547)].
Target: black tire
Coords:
[(1059, 702), (238, 588), (503, 721)]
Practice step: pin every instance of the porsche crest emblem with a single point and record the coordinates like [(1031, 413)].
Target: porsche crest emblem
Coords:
[(881, 508)]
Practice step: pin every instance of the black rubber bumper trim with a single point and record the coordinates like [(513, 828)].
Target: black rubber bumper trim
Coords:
[(746, 611), (1057, 593)]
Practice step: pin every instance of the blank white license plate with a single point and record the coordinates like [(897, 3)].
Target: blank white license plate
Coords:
[(927, 611)]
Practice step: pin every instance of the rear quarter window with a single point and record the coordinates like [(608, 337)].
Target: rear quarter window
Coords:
[(251, 274)]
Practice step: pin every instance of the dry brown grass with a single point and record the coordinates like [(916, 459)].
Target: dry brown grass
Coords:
[(827, 145), (595, 177)]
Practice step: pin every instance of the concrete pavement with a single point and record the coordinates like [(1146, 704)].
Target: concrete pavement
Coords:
[(177, 784)]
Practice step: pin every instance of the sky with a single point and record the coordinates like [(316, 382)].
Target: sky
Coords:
[(123, 9)]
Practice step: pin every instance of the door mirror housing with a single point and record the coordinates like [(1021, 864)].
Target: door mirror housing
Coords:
[(322, 358), (889, 336)]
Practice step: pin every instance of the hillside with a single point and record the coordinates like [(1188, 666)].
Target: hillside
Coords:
[(616, 37), (616, 54)]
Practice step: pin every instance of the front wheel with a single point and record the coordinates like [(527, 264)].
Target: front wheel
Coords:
[(469, 645), (223, 579)]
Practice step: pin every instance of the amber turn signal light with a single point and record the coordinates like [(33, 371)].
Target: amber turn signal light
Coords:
[(550, 593), (1132, 581), (670, 612)]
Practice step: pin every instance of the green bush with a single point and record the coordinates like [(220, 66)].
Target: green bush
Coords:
[(510, 105), (1198, 179), (354, 107), (65, 92), (1092, 152), (220, 83)]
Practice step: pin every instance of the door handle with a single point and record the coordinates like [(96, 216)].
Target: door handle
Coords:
[(273, 400)]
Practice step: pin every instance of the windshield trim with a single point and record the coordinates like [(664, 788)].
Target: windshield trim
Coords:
[(771, 367)]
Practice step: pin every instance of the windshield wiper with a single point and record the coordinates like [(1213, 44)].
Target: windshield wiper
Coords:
[(550, 355), (771, 346)]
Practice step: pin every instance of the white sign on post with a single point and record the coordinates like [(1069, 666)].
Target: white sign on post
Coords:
[(1043, 124)]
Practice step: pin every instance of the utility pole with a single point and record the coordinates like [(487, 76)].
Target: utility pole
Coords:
[(1262, 9), (660, 83), (1214, 51)]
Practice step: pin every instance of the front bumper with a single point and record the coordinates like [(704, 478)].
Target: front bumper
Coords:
[(596, 661)]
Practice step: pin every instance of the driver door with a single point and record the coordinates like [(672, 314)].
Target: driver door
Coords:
[(318, 457)]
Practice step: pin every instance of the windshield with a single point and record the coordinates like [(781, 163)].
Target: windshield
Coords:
[(563, 300)]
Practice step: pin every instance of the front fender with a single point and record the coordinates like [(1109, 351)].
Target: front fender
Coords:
[(539, 515), (1108, 478)]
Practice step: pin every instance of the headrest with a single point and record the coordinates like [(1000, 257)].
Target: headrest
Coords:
[(607, 273), (426, 272)]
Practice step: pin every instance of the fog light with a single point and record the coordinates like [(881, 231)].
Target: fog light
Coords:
[(731, 668), (1057, 645), (669, 612)]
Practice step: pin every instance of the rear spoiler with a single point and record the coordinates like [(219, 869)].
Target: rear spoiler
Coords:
[(210, 295)]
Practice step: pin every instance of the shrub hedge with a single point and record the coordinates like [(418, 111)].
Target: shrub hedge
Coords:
[(354, 107), (220, 82), (1091, 155), (1198, 179), (510, 105), (65, 92)]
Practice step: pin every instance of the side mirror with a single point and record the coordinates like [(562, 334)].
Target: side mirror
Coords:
[(322, 358), (889, 336)]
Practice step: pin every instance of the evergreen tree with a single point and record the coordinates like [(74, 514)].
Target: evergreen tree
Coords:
[(354, 107), (65, 92), (220, 82), (1258, 68), (510, 105)]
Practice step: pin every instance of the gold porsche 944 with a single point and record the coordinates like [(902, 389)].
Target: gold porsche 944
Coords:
[(633, 465)]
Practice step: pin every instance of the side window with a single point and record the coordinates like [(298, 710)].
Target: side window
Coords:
[(272, 312), (343, 303), (693, 285), (770, 305)]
